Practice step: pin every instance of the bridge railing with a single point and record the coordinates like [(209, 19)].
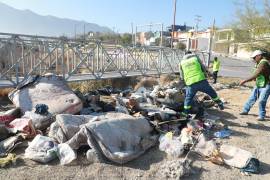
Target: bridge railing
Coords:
[(23, 55)]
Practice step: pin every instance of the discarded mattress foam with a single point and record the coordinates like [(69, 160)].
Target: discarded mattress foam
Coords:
[(117, 136), (234, 156), (50, 90), (66, 126)]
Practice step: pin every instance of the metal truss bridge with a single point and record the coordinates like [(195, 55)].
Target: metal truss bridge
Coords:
[(77, 60)]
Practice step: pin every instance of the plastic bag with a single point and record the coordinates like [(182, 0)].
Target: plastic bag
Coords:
[(41, 149), (223, 133), (185, 136), (40, 122), (92, 156), (65, 154), (171, 145), (252, 167)]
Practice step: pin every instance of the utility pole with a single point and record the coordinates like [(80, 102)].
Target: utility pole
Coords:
[(75, 31), (135, 36), (161, 36), (210, 43), (174, 14), (197, 20), (132, 35), (84, 31)]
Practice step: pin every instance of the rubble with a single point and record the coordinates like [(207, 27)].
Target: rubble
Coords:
[(117, 125), (175, 169)]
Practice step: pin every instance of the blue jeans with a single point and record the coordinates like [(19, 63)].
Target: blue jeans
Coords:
[(202, 86), (258, 93)]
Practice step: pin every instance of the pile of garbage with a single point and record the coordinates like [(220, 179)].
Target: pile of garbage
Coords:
[(117, 125), (203, 138)]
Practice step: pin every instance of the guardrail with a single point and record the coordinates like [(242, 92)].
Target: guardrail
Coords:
[(23, 55)]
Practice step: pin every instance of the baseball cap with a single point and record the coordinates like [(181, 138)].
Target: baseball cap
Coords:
[(255, 53)]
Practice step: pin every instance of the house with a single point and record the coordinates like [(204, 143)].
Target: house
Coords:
[(151, 38), (223, 40), (193, 40)]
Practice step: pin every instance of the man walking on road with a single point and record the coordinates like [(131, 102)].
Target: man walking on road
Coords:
[(193, 73), (216, 67), (262, 89)]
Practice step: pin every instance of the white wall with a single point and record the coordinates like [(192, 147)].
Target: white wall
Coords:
[(203, 44), (243, 53)]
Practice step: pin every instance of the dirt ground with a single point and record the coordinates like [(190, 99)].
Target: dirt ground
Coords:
[(248, 134)]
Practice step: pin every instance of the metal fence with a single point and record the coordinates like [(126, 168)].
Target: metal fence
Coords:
[(23, 55)]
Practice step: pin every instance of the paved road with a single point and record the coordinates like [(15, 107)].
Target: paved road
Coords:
[(236, 68)]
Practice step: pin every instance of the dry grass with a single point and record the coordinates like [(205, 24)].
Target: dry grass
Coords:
[(229, 80), (146, 82), (166, 79), (86, 86)]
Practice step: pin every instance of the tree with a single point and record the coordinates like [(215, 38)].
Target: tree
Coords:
[(126, 39), (165, 43), (252, 26), (148, 35), (181, 46)]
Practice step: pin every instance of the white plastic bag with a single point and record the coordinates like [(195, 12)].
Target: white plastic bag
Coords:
[(41, 149), (65, 154), (171, 145), (92, 156), (39, 121)]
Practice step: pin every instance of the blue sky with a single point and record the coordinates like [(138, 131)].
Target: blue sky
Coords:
[(119, 14)]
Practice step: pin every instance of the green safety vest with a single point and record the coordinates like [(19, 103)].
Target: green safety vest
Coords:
[(260, 80), (192, 70), (216, 65)]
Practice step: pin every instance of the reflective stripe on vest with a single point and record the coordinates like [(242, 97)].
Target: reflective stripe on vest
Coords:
[(216, 65), (260, 80), (192, 70)]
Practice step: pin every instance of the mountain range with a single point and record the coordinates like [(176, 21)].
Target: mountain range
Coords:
[(27, 22)]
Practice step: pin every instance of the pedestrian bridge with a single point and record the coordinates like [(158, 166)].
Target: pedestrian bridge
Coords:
[(77, 60)]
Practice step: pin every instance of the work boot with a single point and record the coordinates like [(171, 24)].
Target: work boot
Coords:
[(243, 113), (185, 115), (221, 105)]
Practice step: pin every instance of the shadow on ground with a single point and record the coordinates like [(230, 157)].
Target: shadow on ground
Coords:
[(152, 156)]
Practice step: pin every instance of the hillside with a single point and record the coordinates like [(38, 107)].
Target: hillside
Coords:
[(27, 22)]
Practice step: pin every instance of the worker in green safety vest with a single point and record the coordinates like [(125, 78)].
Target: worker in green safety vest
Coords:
[(261, 91), (216, 67), (193, 74)]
